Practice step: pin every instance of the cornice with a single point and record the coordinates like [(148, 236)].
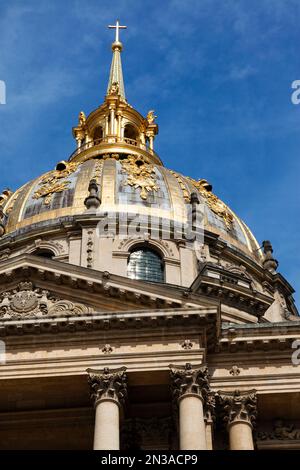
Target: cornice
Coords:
[(231, 289)]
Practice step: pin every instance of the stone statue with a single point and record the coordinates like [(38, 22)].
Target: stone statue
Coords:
[(151, 117)]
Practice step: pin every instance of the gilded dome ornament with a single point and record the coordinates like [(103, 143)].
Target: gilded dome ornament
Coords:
[(81, 119), (151, 117), (55, 182), (184, 190), (140, 175), (213, 202)]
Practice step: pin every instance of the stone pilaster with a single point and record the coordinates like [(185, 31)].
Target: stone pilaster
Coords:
[(190, 389), (239, 411), (210, 418), (109, 393)]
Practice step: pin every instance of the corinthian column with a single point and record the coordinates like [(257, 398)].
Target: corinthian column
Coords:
[(239, 414), (109, 392), (190, 389)]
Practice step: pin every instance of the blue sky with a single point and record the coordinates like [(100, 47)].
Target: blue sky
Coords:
[(217, 72)]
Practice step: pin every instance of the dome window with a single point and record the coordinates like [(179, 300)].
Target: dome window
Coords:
[(146, 265), (44, 253), (98, 133), (130, 132)]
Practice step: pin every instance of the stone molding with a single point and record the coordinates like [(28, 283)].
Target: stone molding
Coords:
[(108, 384), (238, 406)]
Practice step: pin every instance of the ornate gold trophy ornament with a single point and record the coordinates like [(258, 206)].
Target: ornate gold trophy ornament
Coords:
[(151, 117), (140, 175), (55, 182), (213, 202)]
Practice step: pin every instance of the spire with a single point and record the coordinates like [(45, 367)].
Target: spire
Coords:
[(115, 82)]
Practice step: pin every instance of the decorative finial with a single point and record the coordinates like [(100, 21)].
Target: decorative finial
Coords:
[(116, 83), (269, 263), (92, 202)]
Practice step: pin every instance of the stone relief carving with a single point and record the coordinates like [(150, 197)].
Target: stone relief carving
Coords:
[(281, 431), (187, 344), (90, 249), (55, 246), (127, 243), (234, 371), (137, 433), (26, 301)]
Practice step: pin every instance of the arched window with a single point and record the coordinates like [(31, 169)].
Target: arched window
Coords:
[(146, 265), (130, 132), (44, 253), (98, 133)]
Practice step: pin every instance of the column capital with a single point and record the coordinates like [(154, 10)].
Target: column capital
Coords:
[(108, 384), (238, 406), (189, 380), (210, 408)]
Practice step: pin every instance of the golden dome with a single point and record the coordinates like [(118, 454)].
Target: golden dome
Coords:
[(115, 149), (127, 183)]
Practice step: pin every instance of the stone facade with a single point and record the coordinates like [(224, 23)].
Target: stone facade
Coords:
[(96, 358)]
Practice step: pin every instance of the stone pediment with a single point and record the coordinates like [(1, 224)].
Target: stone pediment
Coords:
[(42, 290), (29, 301)]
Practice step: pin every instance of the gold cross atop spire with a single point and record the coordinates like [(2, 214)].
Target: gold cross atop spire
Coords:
[(117, 27)]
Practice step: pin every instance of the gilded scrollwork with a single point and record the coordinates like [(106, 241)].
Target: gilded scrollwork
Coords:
[(55, 182), (213, 202), (183, 187), (140, 175)]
